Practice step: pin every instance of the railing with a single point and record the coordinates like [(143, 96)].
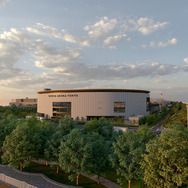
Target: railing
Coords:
[(15, 182)]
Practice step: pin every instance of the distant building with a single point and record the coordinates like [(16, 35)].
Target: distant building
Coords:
[(160, 101), (23, 102), (91, 103)]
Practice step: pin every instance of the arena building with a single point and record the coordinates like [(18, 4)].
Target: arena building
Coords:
[(90, 103)]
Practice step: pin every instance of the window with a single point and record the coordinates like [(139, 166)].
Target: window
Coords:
[(61, 108), (119, 107), (148, 104), (62, 104)]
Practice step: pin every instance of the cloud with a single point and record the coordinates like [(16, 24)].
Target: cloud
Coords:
[(172, 41), (116, 72), (64, 65), (48, 57), (144, 25), (110, 41), (161, 44), (102, 28), (12, 47), (41, 29), (3, 2), (186, 60)]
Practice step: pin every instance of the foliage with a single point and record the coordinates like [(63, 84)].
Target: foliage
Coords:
[(22, 144), (166, 164), (47, 131), (73, 154), (7, 125), (154, 118), (18, 111), (102, 126), (128, 150), (98, 157), (53, 143), (177, 115)]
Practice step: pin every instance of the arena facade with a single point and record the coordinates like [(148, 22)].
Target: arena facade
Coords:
[(90, 103)]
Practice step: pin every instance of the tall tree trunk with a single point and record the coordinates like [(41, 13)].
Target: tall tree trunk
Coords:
[(57, 169), (46, 163), (129, 183), (20, 166), (77, 180), (98, 179)]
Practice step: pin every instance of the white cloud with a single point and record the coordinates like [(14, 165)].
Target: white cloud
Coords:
[(161, 44), (41, 29), (3, 2), (186, 60), (145, 25), (110, 41), (49, 57), (66, 64), (172, 41), (117, 72), (13, 47), (101, 29)]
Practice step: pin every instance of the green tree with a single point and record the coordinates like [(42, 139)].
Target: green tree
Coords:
[(73, 154), (166, 163), (22, 144), (7, 125), (47, 131), (98, 155), (128, 150), (102, 126), (52, 146)]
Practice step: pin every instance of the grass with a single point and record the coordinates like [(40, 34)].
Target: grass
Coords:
[(61, 177), (112, 176)]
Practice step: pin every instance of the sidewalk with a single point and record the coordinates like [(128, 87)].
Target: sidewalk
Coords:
[(103, 181), (35, 179)]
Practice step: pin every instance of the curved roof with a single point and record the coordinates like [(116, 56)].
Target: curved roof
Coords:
[(93, 90)]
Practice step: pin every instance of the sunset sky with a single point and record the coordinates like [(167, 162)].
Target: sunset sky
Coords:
[(70, 44)]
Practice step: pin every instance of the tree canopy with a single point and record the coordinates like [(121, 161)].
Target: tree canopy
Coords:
[(22, 144), (166, 161), (73, 154), (128, 150)]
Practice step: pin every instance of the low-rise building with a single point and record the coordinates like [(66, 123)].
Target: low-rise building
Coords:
[(23, 102)]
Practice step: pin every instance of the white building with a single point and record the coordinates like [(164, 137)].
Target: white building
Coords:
[(89, 103)]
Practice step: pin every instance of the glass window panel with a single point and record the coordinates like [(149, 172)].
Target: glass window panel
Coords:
[(119, 107)]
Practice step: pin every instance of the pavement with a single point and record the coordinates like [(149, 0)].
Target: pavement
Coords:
[(35, 179), (103, 181)]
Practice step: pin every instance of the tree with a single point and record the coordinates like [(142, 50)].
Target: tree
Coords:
[(47, 131), (128, 150), (52, 148), (7, 125), (166, 163), (98, 157), (73, 154), (22, 144), (102, 126)]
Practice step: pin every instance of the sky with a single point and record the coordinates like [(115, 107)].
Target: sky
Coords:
[(71, 44)]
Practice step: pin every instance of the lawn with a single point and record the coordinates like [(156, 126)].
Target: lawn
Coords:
[(112, 176), (61, 177)]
